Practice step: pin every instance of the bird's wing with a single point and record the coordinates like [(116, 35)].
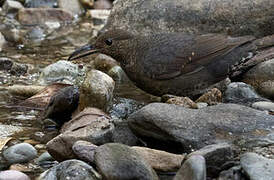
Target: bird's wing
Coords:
[(189, 55)]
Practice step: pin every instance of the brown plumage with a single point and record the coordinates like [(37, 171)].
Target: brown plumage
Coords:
[(176, 63)]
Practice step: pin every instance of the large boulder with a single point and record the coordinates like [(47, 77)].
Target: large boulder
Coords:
[(236, 17), (182, 129)]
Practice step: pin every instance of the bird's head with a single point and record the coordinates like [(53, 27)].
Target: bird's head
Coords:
[(111, 43)]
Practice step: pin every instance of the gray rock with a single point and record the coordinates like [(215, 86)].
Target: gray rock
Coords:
[(242, 18), (117, 161), (201, 105), (71, 169), (118, 74), (62, 72), (2, 41), (90, 125), (264, 105), (84, 151), (11, 7), (233, 173), (5, 63), (96, 91), (257, 167), (13, 175), (72, 6), (241, 93), (261, 77), (39, 16), (19, 69), (190, 128), (20, 153), (40, 3), (36, 34), (44, 158), (193, 169), (216, 156)]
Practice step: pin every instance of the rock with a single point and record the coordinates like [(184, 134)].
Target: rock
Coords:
[(264, 105), (201, 16), (102, 4), (241, 93), (36, 34), (62, 105), (20, 153), (87, 3), (18, 69), (182, 101), (62, 72), (71, 169), (90, 125), (2, 43), (117, 161), (13, 175), (36, 16), (257, 167), (201, 105), (166, 97), (99, 17), (104, 63), (160, 160), (72, 6), (44, 159), (20, 167), (12, 35), (11, 7), (118, 74), (40, 3), (232, 173), (261, 77), (193, 169), (25, 90), (96, 91), (5, 63), (216, 156), (84, 151), (212, 97), (182, 129)]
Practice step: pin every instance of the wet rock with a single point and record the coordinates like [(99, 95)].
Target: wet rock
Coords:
[(18, 69), (25, 91), (102, 4), (212, 97), (264, 105), (182, 101), (62, 105), (11, 7), (232, 173), (40, 3), (71, 169), (13, 175), (261, 77), (63, 72), (104, 63), (5, 63), (241, 93), (122, 163), (72, 6), (122, 134), (20, 153), (123, 107), (216, 156), (84, 151), (160, 160), (193, 169), (90, 125), (193, 17), (182, 129), (35, 16), (118, 74), (257, 167), (96, 91), (2, 43)]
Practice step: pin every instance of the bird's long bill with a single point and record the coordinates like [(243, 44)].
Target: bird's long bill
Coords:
[(82, 52)]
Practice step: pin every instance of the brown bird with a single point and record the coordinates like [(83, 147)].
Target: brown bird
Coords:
[(173, 63)]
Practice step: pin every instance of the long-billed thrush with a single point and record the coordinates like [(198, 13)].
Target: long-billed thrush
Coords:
[(174, 63)]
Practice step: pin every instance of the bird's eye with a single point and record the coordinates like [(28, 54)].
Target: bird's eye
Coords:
[(108, 42)]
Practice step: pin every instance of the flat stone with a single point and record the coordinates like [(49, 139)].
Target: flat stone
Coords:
[(264, 105), (193, 169), (35, 16), (257, 167)]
